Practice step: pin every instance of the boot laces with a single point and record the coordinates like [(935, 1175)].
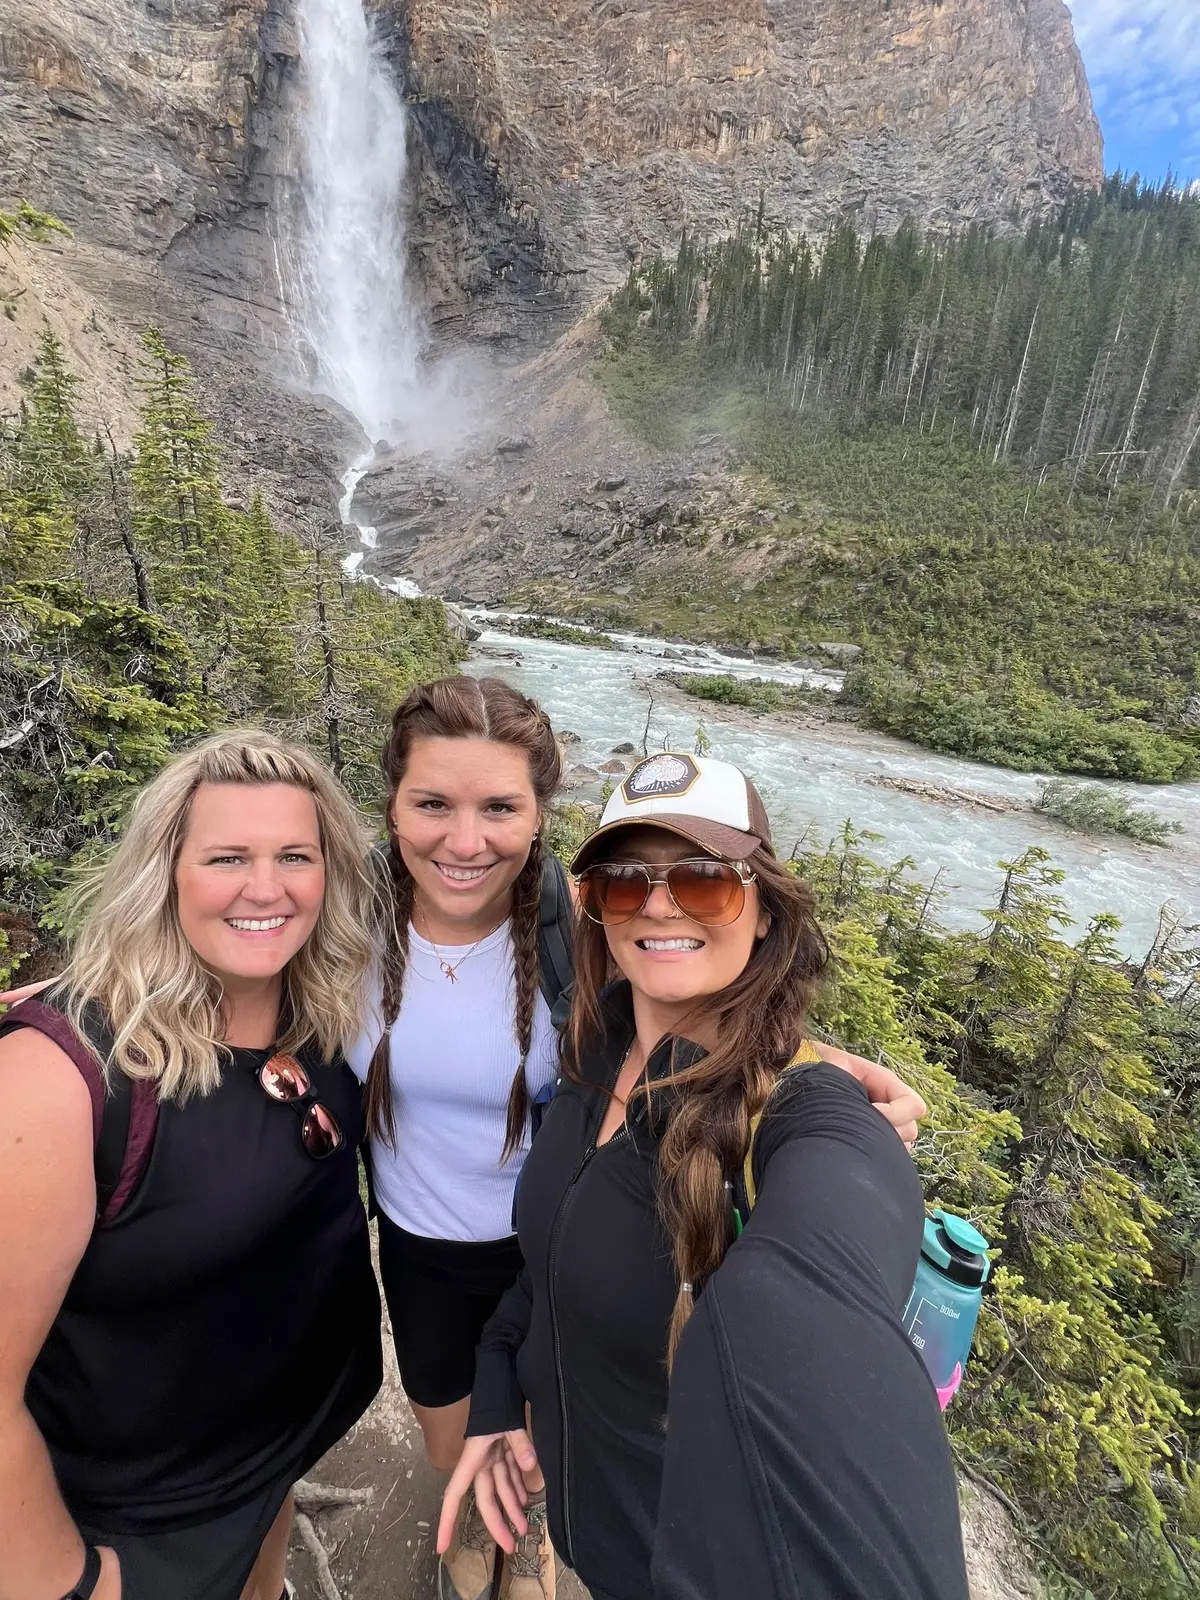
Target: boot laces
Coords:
[(474, 1533), (526, 1559)]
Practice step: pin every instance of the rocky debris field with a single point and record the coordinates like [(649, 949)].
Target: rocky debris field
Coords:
[(552, 487)]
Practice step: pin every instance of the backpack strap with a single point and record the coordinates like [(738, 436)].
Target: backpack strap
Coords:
[(804, 1057), (124, 1112), (556, 937)]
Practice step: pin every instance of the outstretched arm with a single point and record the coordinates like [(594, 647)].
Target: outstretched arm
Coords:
[(805, 1454)]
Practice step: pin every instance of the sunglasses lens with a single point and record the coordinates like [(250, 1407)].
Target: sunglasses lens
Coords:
[(710, 892), (320, 1132), (614, 891), (284, 1078)]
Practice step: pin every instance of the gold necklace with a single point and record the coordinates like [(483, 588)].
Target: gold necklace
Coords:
[(450, 968)]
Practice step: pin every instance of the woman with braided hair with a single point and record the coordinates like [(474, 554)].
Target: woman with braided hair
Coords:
[(457, 1045)]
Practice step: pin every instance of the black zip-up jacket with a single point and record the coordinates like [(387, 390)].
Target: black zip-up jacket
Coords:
[(798, 1451)]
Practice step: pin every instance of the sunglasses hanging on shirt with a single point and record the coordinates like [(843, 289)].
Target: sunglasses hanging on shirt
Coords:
[(285, 1080)]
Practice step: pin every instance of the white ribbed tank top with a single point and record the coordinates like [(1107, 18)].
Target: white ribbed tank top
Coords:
[(453, 1056)]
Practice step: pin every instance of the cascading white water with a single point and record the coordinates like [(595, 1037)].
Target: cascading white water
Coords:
[(347, 265), (813, 779)]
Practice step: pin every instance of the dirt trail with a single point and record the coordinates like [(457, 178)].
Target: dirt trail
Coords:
[(383, 1549)]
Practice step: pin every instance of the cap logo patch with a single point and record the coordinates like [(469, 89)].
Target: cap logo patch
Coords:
[(660, 775)]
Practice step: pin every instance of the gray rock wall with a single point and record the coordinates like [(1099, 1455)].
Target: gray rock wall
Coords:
[(552, 138), (615, 125)]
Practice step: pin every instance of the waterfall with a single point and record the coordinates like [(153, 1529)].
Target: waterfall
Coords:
[(349, 298)]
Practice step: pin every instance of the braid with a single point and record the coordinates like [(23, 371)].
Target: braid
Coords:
[(757, 1022), (706, 1140), (381, 1114), (526, 914)]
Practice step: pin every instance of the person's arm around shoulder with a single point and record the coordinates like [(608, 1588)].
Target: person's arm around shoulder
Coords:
[(806, 1456), (47, 1210)]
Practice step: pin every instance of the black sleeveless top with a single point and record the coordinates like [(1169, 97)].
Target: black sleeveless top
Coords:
[(222, 1332)]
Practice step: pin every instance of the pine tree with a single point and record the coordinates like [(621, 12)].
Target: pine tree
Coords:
[(53, 461), (179, 518), (1040, 1062)]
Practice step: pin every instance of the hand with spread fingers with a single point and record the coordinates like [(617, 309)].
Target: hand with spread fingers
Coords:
[(495, 1463), (888, 1093)]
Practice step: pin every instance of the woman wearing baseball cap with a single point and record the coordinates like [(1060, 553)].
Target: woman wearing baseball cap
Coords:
[(803, 1451)]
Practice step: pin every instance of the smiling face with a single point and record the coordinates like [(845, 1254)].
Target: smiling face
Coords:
[(465, 816), (250, 878), (672, 962)]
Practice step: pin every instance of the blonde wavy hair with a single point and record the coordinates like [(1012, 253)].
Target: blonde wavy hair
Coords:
[(131, 959)]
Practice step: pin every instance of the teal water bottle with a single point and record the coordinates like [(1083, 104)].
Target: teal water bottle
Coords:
[(943, 1307)]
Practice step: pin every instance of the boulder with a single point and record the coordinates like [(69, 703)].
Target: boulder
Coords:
[(458, 624)]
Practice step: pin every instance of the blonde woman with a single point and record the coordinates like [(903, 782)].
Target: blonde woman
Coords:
[(188, 1317)]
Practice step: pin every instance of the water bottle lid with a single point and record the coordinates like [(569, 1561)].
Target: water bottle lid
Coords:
[(956, 1249)]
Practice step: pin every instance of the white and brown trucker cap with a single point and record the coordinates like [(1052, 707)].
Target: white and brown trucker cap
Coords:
[(709, 802)]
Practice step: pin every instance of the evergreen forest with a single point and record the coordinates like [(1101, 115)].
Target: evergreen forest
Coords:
[(976, 455), (140, 607), (1064, 1089)]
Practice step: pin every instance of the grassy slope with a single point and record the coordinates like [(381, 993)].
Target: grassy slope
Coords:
[(1017, 624)]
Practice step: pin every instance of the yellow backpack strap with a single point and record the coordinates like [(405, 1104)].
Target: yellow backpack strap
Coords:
[(804, 1057)]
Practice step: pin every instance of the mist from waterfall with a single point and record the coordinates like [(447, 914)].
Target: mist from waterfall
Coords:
[(350, 302)]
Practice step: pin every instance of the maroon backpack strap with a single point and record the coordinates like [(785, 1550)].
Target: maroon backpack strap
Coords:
[(123, 1124), (139, 1139)]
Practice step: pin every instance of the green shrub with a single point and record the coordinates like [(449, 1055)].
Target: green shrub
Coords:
[(1092, 809), (756, 694), (544, 628)]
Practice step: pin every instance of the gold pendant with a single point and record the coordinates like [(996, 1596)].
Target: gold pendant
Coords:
[(449, 971)]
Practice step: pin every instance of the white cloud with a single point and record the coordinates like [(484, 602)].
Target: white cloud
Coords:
[(1120, 38), (1143, 62)]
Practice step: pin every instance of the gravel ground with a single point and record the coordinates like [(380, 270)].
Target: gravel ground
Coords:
[(382, 1548)]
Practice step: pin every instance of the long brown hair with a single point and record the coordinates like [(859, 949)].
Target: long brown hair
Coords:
[(465, 708), (758, 1022)]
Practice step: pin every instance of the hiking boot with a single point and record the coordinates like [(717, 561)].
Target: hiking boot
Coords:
[(528, 1573), (465, 1572)]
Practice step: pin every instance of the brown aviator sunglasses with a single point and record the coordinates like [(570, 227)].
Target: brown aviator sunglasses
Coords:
[(284, 1079), (710, 892)]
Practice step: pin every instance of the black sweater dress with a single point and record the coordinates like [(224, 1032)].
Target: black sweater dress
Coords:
[(798, 1449)]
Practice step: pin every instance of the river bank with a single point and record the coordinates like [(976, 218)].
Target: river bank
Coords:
[(955, 819)]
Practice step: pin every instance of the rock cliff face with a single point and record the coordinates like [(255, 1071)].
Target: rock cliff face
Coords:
[(615, 125), (550, 141), (551, 137), (158, 130), (141, 124)]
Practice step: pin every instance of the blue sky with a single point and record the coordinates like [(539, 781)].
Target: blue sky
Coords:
[(1143, 63)]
